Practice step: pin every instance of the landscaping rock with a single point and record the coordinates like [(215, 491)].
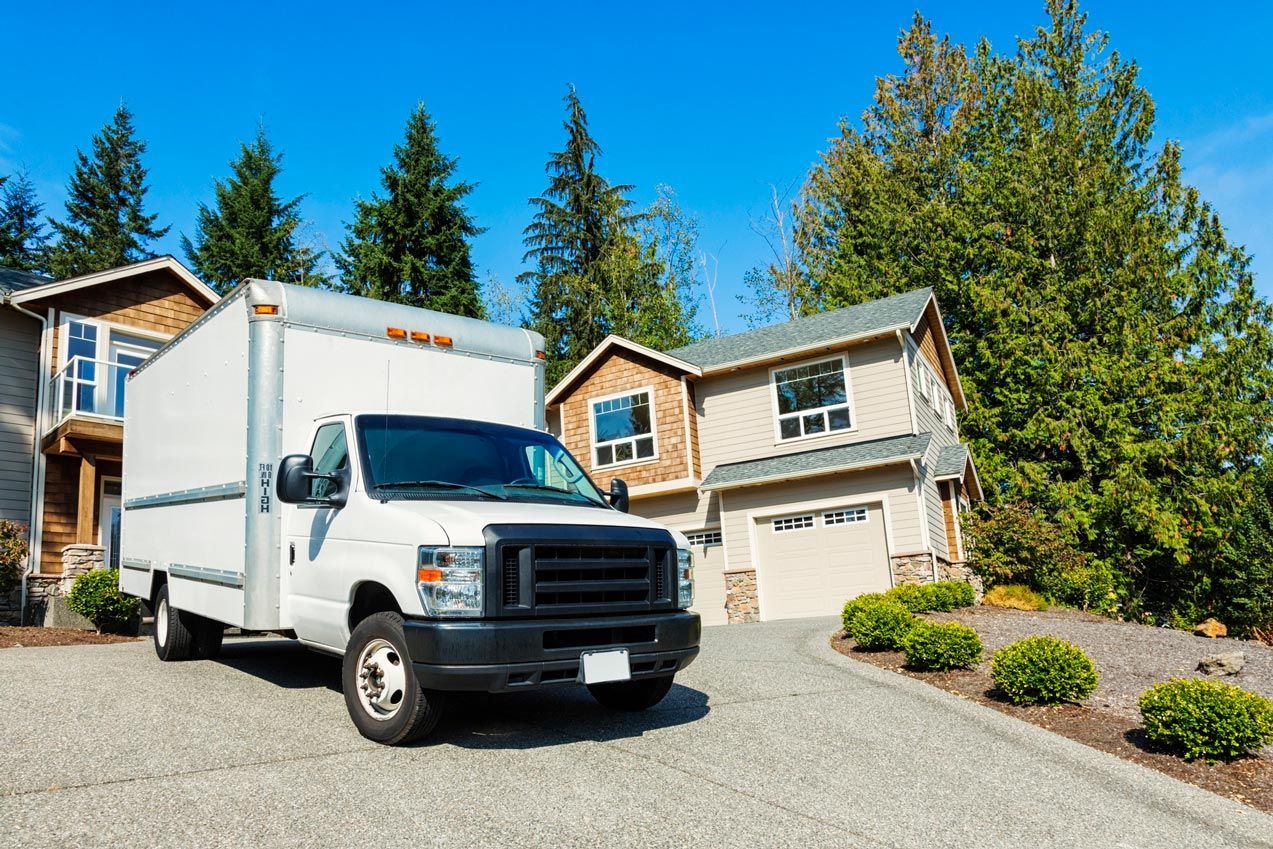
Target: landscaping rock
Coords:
[(1210, 628), (1224, 663)]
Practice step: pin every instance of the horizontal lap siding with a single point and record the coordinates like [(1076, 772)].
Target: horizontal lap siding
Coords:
[(897, 483), (19, 367), (736, 411), (686, 511), (619, 372)]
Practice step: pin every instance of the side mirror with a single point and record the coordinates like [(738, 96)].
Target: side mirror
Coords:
[(294, 482), (619, 495)]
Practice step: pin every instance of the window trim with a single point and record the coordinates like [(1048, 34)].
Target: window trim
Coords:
[(720, 538), (848, 400), (593, 444)]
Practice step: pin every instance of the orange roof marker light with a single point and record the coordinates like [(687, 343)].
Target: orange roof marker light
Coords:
[(265, 309), (443, 341), (420, 336), (539, 355), (396, 332)]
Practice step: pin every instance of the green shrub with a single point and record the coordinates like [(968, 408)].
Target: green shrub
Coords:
[(1014, 597), (910, 596), (941, 645), (880, 625), (1043, 669), (13, 553), (1206, 719), (854, 605), (1087, 587), (95, 595)]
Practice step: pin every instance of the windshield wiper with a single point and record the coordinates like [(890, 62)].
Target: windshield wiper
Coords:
[(547, 488), (441, 485)]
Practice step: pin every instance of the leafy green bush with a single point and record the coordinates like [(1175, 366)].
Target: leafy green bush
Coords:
[(95, 595), (13, 553), (910, 596), (1206, 719), (941, 645), (940, 596), (880, 625), (1043, 669), (1014, 597), (854, 605)]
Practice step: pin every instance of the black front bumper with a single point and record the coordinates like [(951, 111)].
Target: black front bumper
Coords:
[(498, 656)]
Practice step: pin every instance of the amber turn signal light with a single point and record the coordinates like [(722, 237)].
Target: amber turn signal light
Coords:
[(265, 309), (428, 576)]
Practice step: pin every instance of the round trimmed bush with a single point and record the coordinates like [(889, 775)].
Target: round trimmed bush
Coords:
[(937, 646), (910, 596), (881, 625), (948, 595), (95, 595), (1206, 719), (853, 605), (1043, 670)]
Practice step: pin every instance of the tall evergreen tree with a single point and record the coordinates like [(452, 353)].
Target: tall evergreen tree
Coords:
[(1118, 359), (412, 245), (22, 235), (106, 224), (599, 267), (252, 232)]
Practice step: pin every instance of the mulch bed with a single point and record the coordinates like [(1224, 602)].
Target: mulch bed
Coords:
[(16, 637), (1247, 780)]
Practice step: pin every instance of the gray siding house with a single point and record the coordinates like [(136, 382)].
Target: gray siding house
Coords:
[(808, 462)]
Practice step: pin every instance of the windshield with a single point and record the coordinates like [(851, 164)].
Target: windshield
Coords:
[(430, 457)]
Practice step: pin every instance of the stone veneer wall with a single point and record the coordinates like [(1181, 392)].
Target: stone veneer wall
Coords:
[(741, 603), (948, 571), (913, 569), (77, 559)]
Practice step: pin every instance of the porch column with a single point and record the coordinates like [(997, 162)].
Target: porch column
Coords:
[(85, 520)]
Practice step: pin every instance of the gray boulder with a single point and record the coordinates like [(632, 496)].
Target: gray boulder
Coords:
[(1224, 663)]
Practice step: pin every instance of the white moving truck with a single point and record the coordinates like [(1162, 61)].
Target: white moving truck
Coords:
[(376, 481)]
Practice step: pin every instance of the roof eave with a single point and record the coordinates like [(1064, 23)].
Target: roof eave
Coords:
[(812, 347), (554, 396), (71, 284), (813, 473)]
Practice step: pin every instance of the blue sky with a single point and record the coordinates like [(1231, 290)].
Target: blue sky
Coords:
[(717, 101)]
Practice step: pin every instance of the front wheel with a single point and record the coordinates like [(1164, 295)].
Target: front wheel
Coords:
[(384, 699), (632, 695)]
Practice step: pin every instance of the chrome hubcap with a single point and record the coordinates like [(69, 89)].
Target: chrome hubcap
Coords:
[(161, 622), (382, 679)]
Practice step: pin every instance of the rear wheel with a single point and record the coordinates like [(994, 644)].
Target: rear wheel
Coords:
[(173, 638), (632, 695), (384, 699)]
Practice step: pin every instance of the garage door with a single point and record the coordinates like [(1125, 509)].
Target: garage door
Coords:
[(811, 563), (709, 576)]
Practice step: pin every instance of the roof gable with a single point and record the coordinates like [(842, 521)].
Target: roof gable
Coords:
[(71, 284), (608, 345), (873, 317)]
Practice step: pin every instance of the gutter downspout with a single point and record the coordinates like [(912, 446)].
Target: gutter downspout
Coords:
[(37, 460)]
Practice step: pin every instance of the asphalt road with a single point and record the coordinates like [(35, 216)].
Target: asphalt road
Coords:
[(771, 739)]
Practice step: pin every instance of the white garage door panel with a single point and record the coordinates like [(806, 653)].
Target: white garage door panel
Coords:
[(813, 571), (709, 584)]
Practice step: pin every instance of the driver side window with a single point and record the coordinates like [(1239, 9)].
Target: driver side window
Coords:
[(330, 452)]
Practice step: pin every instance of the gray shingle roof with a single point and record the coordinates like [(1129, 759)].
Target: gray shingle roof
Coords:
[(11, 280), (877, 452), (885, 313), (951, 461)]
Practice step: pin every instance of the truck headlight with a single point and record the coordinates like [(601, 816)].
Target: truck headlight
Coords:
[(450, 580), (684, 578)]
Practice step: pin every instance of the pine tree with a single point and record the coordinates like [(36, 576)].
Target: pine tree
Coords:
[(1118, 360), (22, 235), (106, 224), (252, 232), (412, 245), (600, 267)]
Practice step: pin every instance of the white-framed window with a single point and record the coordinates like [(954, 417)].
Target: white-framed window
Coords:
[(623, 428), (948, 410), (792, 523), (812, 398), (925, 388), (847, 516), (703, 539)]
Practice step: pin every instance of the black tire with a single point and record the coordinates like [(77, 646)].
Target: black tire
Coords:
[(208, 634), (173, 637), (415, 713), (632, 695)]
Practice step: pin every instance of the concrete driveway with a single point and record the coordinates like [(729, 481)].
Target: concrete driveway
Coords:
[(772, 739)]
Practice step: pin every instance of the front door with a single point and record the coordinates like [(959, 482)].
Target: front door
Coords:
[(110, 508), (316, 589)]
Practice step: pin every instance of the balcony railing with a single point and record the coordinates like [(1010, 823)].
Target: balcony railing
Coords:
[(84, 387)]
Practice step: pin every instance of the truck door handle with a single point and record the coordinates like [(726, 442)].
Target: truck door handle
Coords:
[(291, 554)]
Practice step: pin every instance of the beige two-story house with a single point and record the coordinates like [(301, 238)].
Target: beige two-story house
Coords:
[(808, 462)]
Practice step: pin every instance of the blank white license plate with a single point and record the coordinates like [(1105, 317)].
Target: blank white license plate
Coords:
[(598, 667)]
